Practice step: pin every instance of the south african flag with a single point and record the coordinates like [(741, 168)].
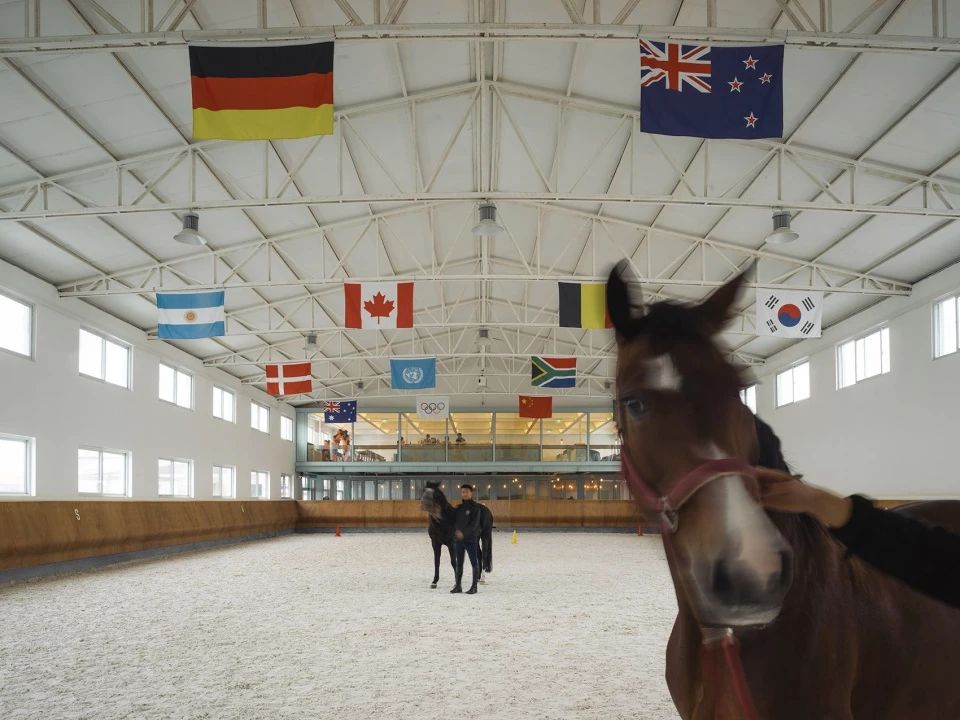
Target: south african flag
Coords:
[(553, 372)]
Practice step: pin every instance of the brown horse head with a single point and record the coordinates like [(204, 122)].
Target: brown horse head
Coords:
[(688, 444)]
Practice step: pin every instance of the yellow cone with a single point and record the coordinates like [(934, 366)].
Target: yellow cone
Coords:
[(514, 541)]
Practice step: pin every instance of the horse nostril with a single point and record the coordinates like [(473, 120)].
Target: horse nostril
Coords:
[(722, 582), (786, 569)]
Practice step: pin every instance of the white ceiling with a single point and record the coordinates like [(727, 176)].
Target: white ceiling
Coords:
[(97, 166)]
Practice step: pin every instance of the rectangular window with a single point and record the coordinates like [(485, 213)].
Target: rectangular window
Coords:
[(259, 484), (174, 478), (748, 396), (16, 326), (863, 358), (16, 465), (104, 359), (176, 386), (259, 417), (286, 428), (223, 481), (224, 404), (945, 333), (793, 385), (286, 486), (103, 472)]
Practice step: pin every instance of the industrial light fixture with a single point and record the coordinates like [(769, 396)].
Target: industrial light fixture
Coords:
[(781, 233), (483, 337), (488, 225), (311, 342), (190, 235)]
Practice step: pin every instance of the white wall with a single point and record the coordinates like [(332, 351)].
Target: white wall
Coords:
[(46, 398), (892, 436)]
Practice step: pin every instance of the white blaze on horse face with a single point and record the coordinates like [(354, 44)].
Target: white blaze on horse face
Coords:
[(752, 553), (662, 374)]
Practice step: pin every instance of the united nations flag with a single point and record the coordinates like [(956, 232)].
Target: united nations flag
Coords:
[(415, 374)]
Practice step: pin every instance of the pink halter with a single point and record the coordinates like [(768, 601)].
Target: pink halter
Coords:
[(667, 506)]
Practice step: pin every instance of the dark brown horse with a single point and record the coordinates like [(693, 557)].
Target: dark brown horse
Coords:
[(821, 634)]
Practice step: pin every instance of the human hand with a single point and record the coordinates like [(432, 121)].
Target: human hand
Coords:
[(784, 493), (458, 535)]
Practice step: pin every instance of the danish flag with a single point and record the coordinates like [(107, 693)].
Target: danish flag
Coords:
[(289, 378), (674, 66)]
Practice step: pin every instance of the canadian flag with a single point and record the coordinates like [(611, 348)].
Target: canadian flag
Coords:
[(289, 379), (378, 305)]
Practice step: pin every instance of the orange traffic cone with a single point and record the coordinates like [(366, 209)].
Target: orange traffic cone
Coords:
[(338, 534)]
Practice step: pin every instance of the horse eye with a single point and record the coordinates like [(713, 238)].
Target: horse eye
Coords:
[(635, 406)]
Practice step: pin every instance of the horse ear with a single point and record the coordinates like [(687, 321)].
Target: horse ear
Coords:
[(618, 303), (717, 309)]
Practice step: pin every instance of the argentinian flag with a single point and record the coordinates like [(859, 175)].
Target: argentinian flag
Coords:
[(418, 374), (188, 316)]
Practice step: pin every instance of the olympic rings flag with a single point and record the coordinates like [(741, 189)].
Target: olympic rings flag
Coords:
[(433, 406)]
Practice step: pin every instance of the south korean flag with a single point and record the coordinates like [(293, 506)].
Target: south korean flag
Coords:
[(789, 313)]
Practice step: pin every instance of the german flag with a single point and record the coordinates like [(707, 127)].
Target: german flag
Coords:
[(584, 305), (269, 92)]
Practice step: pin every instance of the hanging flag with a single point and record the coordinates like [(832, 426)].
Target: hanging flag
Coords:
[(188, 316), (584, 305), (378, 305), (266, 92), (536, 406), (340, 411), (711, 92), (789, 313), (433, 406), (413, 374), (289, 378), (555, 372)]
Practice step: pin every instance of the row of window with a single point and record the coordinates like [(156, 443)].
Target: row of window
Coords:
[(869, 355), (107, 473), (857, 360), (108, 360)]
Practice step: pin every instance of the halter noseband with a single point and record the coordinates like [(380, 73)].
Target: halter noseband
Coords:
[(668, 506)]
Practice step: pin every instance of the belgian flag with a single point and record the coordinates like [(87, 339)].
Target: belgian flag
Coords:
[(268, 92), (584, 305)]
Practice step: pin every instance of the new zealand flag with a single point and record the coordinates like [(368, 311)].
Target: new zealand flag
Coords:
[(711, 92)]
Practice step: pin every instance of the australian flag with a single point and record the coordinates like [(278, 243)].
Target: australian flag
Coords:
[(711, 92), (342, 411)]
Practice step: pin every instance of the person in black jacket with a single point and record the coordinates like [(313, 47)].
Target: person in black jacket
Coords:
[(924, 557), (466, 537)]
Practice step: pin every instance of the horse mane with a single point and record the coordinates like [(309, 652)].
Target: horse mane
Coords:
[(807, 536), (440, 496)]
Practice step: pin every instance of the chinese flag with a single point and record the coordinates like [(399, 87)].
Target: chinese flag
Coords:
[(536, 406)]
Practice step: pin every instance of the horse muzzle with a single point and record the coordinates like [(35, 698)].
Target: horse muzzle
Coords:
[(746, 579), (734, 564)]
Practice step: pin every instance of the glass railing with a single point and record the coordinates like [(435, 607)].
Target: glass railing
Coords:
[(441, 452), (391, 437)]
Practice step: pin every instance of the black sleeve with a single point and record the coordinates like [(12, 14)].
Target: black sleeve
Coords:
[(925, 558)]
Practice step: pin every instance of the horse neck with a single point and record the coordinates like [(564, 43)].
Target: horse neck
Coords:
[(446, 508)]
